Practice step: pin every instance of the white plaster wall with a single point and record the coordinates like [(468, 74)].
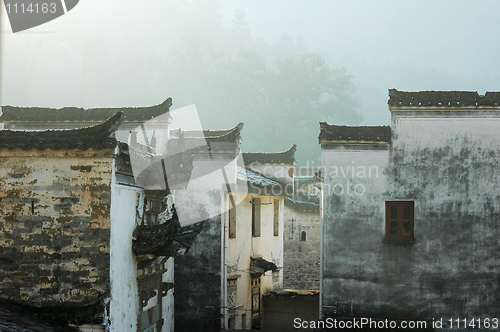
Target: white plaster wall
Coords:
[(343, 210), (244, 246), (354, 173), (202, 197), (268, 246), (239, 252), (168, 300), (473, 141), (124, 306), (447, 163), (437, 131)]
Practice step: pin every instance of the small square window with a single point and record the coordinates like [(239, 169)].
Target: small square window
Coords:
[(399, 223)]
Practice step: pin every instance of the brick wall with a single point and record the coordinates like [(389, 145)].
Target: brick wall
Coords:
[(301, 258), (54, 226)]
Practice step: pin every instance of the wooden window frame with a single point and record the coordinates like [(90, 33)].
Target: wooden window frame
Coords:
[(399, 236)]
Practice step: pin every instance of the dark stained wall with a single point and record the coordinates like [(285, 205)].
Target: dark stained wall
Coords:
[(197, 296), (55, 227), (447, 163)]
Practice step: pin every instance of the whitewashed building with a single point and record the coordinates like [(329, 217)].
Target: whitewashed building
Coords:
[(411, 211), (104, 239), (238, 255)]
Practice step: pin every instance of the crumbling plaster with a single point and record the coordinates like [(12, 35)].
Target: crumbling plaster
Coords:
[(55, 226)]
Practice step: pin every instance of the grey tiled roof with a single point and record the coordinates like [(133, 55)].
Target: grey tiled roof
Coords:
[(76, 114), (442, 98), (254, 178), (98, 137), (285, 157), (231, 135), (329, 133), (301, 203)]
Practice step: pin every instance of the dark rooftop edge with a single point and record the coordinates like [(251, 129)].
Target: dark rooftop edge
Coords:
[(98, 137), (370, 134), (284, 157), (442, 98), (77, 114)]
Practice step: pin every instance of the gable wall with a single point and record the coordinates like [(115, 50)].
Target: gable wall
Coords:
[(446, 162), (58, 253)]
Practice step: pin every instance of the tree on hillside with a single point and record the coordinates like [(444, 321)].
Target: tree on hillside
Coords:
[(281, 92), (305, 91)]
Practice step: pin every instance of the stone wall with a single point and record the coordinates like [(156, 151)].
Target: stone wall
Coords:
[(55, 226), (301, 258)]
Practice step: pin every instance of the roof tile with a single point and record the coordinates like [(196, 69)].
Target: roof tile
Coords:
[(76, 114), (331, 133), (98, 137), (442, 98), (285, 157)]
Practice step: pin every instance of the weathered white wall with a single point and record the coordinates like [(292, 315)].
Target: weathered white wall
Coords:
[(239, 251), (354, 212), (202, 197), (244, 246), (268, 246), (168, 300), (124, 306), (447, 163)]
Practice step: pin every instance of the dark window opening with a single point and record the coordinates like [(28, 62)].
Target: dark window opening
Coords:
[(154, 208), (32, 207), (276, 227), (303, 236), (399, 224), (232, 222), (244, 321), (256, 217)]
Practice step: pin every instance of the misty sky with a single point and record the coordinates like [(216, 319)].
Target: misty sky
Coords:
[(106, 53)]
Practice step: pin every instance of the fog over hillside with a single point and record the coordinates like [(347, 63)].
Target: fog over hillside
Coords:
[(278, 66)]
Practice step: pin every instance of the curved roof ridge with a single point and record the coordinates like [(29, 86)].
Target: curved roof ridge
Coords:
[(231, 135), (79, 114), (442, 98), (230, 132), (283, 157), (293, 148), (329, 133), (212, 133), (98, 136)]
